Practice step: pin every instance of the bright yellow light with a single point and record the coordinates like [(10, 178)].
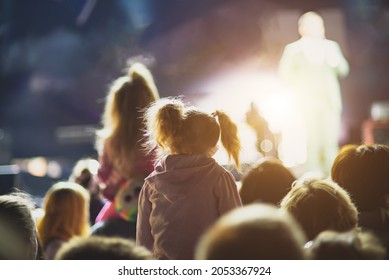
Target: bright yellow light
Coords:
[(37, 166), (234, 93), (93, 166)]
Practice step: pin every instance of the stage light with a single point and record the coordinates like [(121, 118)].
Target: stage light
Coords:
[(54, 169), (93, 166), (233, 92), (37, 166), (267, 145)]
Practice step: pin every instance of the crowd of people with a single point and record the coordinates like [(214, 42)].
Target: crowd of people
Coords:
[(159, 194)]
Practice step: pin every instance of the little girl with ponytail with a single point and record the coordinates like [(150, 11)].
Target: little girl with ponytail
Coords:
[(188, 191)]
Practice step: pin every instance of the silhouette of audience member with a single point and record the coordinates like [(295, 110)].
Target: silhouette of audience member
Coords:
[(102, 248), (364, 172), (268, 181), (18, 238), (123, 162), (350, 245), (84, 173), (320, 205), (66, 216), (261, 128), (254, 232)]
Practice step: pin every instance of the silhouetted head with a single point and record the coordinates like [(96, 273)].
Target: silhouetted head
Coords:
[(254, 232), (66, 207), (320, 205), (364, 172), (84, 173), (350, 245), (18, 238), (102, 248), (269, 181), (311, 25), (175, 128)]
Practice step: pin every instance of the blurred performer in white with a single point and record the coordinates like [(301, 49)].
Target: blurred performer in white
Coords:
[(311, 67)]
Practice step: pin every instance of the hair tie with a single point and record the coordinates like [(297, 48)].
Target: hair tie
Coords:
[(215, 114)]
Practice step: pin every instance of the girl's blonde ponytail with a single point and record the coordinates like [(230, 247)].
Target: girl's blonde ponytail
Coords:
[(229, 136)]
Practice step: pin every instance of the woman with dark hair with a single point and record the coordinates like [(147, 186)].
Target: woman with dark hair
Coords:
[(364, 172)]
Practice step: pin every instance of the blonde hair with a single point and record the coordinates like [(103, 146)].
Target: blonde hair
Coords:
[(176, 128), (66, 213), (122, 117), (320, 205)]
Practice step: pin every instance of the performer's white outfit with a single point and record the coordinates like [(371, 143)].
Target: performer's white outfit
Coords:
[(311, 66)]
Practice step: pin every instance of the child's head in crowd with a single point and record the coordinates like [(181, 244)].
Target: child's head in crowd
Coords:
[(320, 205), (174, 128), (364, 172), (84, 172), (18, 238), (256, 231), (66, 213), (268, 181), (102, 248), (350, 245)]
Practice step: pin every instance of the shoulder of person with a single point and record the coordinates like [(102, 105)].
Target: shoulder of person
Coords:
[(332, 43), (293, 48), (294, 45), (225, 173)]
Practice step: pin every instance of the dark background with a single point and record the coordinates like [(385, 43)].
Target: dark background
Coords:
[(57, 61)]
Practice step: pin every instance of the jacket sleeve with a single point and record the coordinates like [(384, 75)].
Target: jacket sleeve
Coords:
[(336, 59), (227, 193), (143, 228), (288, 66)]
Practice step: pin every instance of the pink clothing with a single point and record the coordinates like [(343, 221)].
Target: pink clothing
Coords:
[(112, 180), (107, 212), (184, 196)]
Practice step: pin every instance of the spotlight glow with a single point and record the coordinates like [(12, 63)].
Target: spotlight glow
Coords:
[(54, 169), (37, 166), (235, 91)]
